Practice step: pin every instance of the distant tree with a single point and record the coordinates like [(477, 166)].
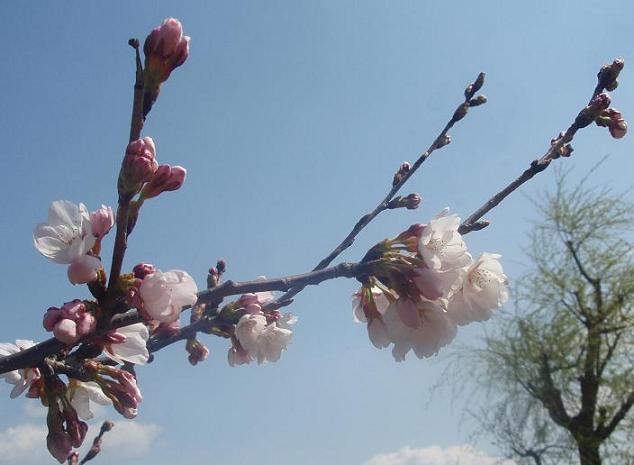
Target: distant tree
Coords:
[(559, 369)]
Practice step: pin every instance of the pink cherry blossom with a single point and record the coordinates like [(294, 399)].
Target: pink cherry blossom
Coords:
[(165, 294), (102, 221), (84, 269)]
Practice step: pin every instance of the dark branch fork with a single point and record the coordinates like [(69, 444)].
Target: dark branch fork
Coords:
[(294, 284)]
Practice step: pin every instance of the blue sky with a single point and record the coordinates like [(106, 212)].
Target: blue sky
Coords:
[(291, 118)]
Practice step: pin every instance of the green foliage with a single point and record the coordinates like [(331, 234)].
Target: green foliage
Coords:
[(559, 368)]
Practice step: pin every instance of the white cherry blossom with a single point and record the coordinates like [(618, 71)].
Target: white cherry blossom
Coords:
[(81, 394), (441, 245), (22, 378), (68, 234), (380, 300), (260, 339), (484, 289), (165, 294), (425, 333), (133, 348)]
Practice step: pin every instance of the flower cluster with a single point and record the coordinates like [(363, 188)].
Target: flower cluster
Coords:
[(71, 322), (140, 172), (424, 285), (259, 335)]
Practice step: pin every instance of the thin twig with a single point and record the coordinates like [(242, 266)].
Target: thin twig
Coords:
[(440, 141), (123, 210), (472, 223), (33, 356)]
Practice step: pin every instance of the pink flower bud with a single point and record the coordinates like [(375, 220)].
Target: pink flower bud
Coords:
[(165, 49), (59, 445), (197, 351), (66, 331), (402, 171), (166, 178), (75, 427), (412, 201), (614, 121), (618, 129), (102, 221), (142, 270), (73, 309), (86, 324), (138, 166), (84, 269), (51, 318)]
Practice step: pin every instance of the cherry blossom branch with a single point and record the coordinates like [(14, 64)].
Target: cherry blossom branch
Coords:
[(123, 210), (560, 146), (33, 356), (440, 141), (96, 443)]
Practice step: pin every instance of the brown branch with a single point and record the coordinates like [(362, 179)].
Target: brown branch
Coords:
[(96, 443), (34, 356), (440, 141), (575, 256), (551, 396), (136, 125), (605, 432), (553, 152)]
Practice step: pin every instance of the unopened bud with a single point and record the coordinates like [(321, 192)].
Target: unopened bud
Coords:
[(400, 174), (413, 201), (445, 139), (166, 178), (73, 459), (197, 351), (138, 166), (102, 221), (106, 426), (142, 270), (477, 101), (475, 86), (59, 445), (613, 120), (608, 74), (461, 112), (591, 112), (165, 48)]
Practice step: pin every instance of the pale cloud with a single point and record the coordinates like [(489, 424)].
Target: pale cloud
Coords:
[(35, 409), (26, 443), (23, 444), (434, 455)]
